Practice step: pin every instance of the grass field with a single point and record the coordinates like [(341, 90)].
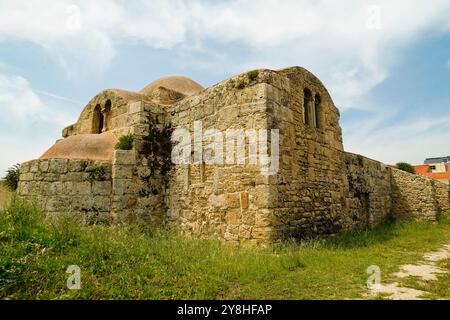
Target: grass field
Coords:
[(132, 263)]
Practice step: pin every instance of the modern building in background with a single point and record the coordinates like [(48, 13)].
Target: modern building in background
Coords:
[(435, 168)]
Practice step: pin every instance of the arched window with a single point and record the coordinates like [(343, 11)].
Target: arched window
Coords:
[(107, 115), (307, 101), (317, 106), (97, 120)]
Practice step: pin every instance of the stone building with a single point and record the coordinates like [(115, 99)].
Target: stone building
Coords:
[(318, 188)]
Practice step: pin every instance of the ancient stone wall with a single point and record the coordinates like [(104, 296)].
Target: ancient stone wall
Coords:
[(309, 188), (318, 188), (140, 177), (113, 107), (442, 193), (78, 186), (413, 196), (367, 191), (230, 201)]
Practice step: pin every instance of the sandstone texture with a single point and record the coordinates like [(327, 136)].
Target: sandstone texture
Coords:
[(318, 188)]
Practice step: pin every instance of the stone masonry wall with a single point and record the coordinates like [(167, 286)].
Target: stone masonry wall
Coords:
[(319, 188), (140, 177), (229, 201), (116, 120), (442, 193), (413, 196), (78, 186), (367, 191), (309, 188)]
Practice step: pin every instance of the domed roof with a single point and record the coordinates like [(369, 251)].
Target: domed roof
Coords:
[(181, 84), (83, 146)]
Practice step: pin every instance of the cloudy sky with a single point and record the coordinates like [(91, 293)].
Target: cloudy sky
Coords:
[(386, 63)]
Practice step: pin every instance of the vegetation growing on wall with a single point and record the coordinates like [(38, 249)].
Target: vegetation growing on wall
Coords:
[(12, 177), (252, 75), (404, 166), (125, 142), (360, 160)]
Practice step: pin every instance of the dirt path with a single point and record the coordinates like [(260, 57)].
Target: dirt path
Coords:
[(426, 271)]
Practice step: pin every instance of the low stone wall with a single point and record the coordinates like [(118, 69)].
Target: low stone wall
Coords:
[(368, 201), (413, 196), (60, 185), (442, 193)]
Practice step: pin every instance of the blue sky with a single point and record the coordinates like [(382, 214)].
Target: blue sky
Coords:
[(385, 63)]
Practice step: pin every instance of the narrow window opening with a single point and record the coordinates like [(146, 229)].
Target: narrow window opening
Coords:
[(307, 100), (317, 106)]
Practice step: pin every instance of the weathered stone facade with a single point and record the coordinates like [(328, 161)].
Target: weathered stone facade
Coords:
[(317, 189), (417, 196), (58, 185)]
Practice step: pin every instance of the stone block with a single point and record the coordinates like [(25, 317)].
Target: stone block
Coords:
[(101, 187), (34, 166), (43, 166), (25, 167), (233, 217), (58, 166), (122, 172), (123, 187), (27, 177), (124, 157), (136, 107), (77, 165), (244, 200)]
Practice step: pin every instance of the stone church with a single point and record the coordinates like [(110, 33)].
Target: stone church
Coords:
[(318, 187)]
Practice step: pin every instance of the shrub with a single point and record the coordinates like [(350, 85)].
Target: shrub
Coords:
[(360, 160), (12, 177), (404, 166), (125, 142), (252, 75)]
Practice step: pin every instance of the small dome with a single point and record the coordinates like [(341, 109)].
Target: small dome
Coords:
[(83, 146), (181, 84)]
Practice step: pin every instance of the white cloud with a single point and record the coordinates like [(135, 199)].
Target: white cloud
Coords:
[(18, 101), (29, 124), (411, 141), (21, 104), (335, 39)]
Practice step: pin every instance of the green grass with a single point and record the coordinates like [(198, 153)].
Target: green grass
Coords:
[(5, 195), (120, 262)]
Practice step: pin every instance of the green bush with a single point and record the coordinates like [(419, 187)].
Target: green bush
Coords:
[(125, 142), (252, 75), (12, 177), (404, 166)]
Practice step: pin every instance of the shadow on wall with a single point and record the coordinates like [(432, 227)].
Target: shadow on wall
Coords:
[(359, 238)]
